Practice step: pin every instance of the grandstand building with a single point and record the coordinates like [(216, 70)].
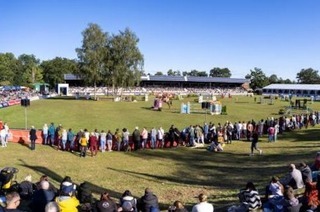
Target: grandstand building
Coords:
[(177, 81), (298, 90)]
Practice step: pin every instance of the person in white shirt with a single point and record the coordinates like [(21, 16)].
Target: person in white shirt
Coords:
[(203, 205), (161, 136)]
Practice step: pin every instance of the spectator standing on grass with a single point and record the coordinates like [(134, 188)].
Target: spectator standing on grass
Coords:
[(70, 140), (254, 144), (153, 134), (125, 138), (203, 205), (148, 202), (45, 134), (6, 128), (118, 137), (83, 146), (103, 140), (33, 137), (161, 136), (109, 140), (144, 136), (51, 134), (93, 143), (136, 138), (3, 137), (64, 138), (171, 135)]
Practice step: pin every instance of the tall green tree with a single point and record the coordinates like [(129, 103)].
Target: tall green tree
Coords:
[(170, 72), (54, 70), (92, 54), (29, 70), (158, 73), (195, 73), (258, 79), (308, 76), (125, 61), (8, 68), (273, 79), (220, 72)]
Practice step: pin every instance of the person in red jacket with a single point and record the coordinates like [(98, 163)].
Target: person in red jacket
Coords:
[(93, 142)]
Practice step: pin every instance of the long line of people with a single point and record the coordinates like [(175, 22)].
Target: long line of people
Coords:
[(193, 135)]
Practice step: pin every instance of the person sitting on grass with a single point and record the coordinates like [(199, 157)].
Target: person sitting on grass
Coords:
[(128, 202), (249, 197), (203, 205), (177, 207), (293, 178), (106, 204), (66, 201), (148, 201), (215, 146), (13, 202)]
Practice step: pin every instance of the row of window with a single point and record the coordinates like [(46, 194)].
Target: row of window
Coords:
[(284, 91)]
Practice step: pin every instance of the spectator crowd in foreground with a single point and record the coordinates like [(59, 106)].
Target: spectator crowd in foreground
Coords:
[(43, 196)]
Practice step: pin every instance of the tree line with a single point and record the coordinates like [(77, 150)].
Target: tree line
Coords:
[(115, 60)]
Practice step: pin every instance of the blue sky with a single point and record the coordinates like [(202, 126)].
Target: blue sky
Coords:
[(279, 36)]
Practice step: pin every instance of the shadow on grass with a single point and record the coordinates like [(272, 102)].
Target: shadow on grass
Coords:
[(58, 178), (24, 143), (303, 135)]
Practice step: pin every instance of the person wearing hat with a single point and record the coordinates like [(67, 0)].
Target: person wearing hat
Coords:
[(203, 205), (66, 201), (33, 137), (148, 202)]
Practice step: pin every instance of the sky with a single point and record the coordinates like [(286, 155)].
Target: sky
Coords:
[(278, 36)]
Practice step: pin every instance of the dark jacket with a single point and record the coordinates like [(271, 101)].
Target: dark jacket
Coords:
[(106, 206), (147, 201), (33, 134), (136, 135), (41, 198)]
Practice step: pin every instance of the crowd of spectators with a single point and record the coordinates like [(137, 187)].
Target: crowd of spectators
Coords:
[(43, 196), (296, 191), (13, 96), (157, 89)]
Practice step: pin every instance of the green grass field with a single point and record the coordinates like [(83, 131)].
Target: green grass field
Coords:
[(174, 174)]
